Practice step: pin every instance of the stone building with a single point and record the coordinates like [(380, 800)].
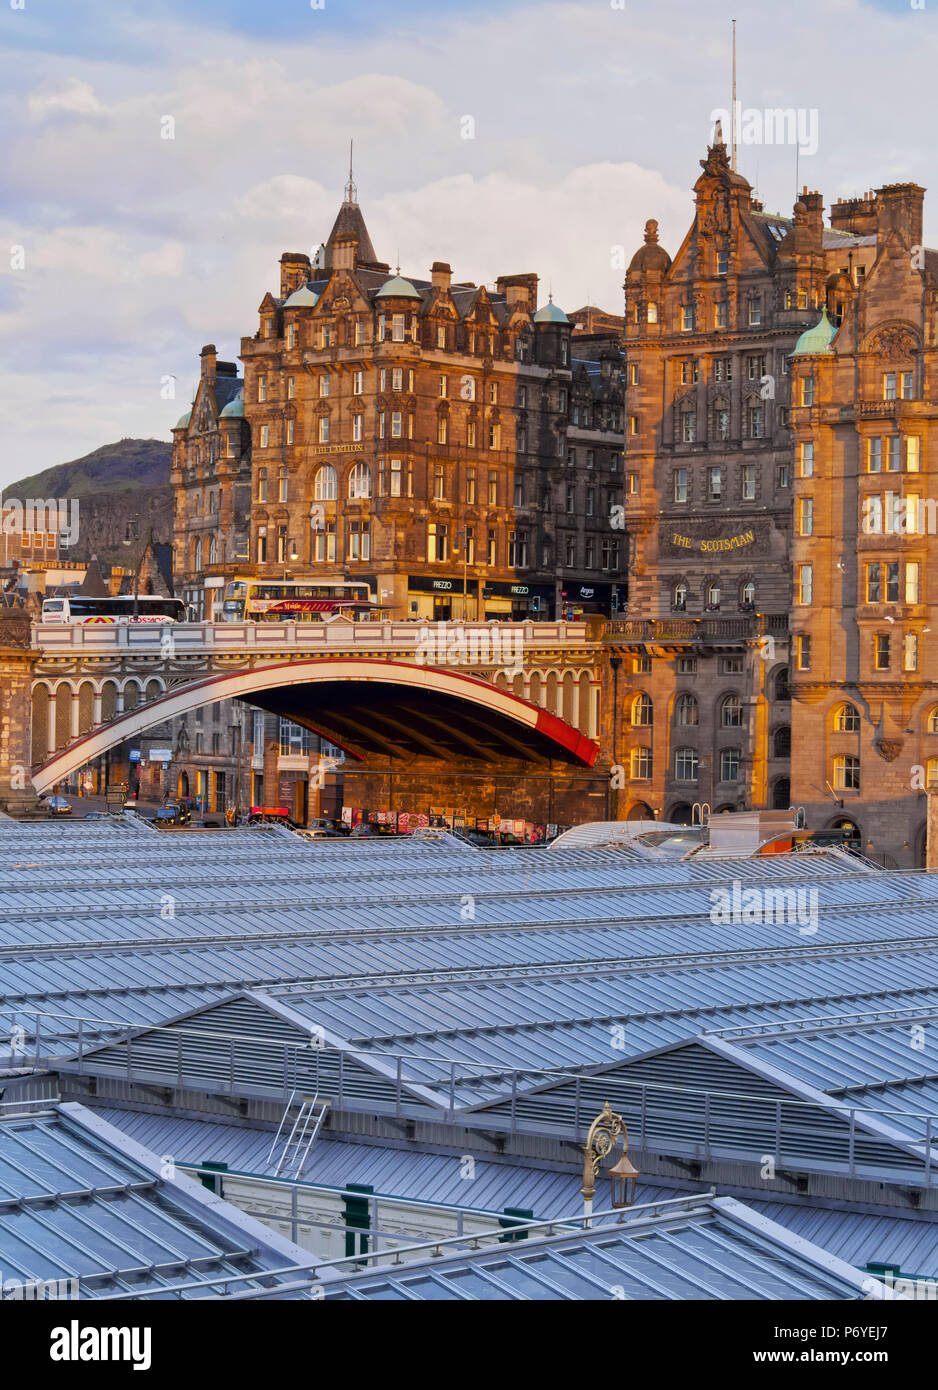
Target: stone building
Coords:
[(701, 691), (865, 436), (416, 433)]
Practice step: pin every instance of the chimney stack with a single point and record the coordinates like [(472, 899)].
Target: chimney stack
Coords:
[(899, 208), (518, 289), (856, 215), (295, 270), (208, 356), (441, 275)]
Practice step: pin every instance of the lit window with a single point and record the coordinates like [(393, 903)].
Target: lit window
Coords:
[(640, 764), (642, 711), (912, 453), (652, 313), (910, 652), (805, 583), (324, 429), (359, 481), (806, 459), (847, 773), (911, 581), (805, 516), (846, 719), (687, 318)]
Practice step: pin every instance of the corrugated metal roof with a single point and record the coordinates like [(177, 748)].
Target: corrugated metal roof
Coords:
[(79, 1200)]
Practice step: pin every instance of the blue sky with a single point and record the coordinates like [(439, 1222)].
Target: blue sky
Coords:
[(590, 116)]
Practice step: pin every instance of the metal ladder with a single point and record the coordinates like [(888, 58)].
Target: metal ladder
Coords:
[(307, 1123)]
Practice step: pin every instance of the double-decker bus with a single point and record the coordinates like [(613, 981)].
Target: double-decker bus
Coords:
[(299, 601), (121, 608)]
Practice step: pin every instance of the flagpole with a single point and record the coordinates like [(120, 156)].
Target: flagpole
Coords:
[(733, 115)]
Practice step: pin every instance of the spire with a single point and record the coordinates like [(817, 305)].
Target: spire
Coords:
[(351, 192)]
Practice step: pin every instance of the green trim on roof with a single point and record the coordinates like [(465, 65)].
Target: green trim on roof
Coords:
[(183, 422), (550, 313), (397, 288), (817, 339)]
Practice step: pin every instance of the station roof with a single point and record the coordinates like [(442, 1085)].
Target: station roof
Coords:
[(81, 1200)]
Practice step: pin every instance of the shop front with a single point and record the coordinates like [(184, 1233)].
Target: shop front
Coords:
[(441, 598), (510, 599), (582, 599)]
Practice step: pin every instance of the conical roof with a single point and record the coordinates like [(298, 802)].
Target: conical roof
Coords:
[(350, 223)]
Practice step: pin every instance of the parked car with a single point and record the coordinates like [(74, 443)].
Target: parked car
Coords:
[(57, 805), (173, 813)]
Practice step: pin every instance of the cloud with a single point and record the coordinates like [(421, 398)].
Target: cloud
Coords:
[(75, 98)]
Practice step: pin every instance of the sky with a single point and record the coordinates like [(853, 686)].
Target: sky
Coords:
[(123, 251)]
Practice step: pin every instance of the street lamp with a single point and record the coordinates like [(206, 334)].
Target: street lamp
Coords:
[(604, 1134)]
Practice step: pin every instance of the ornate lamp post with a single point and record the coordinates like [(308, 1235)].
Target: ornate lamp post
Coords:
[(604, 1134)]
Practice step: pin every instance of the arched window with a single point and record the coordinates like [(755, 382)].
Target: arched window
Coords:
[(782, 691), (748, 593), (931, 773), (642, 711), (679, 602), (359, 481), (212, 550), (782, 742), (198, 554), (325, 484), (731, 712), (713, 594), (686, 711), (847, 773), (686, 763), (932, 725), (846, 719)]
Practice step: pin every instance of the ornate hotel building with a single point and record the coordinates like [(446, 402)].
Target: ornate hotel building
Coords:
[(702, 705)]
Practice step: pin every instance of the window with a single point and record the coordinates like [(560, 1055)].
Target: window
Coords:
[(471, 434), (687, 665), (324, 543), (359, 481), (325, 484), (906, 386), (291, 335), (652, 313), (873, 515), (686, 711), (358, 383), (324, 429), (397, 379), (892, 581), (723, 369), (723, 262), (729, 764), (397, 328), (642, 711), (324, 385), (569, 551), (749, 594), (687, 318), (357, 428), (265, 436), (359, 332), (911, 581), (874, 456), (805, 516), (470, 486), (713, 595), (493, 393), (874, 593), (686, 764), (262, 388), (731, 712), (846, 719), (756, 418), (781, 475), (889, 386), (892, 453), (491, 546), (261, 550), (519, 492), (679, 597), (284, 486), (714, 484), (755, 312), (688, 371), (631, 484), (570, 502), (807, 390), (803, 651), (912, 453), (932, 725), (640, 764), (494, 436), (359, 540), (755, 367), (806, 459), (805, 583), (443, 387), (518, 549), (846, 773), (749, 482), (688, 426), (910, 652), (634, 379), (721, 423), (289, 438), (881, 651), (720, 314), (294, 739), (291, 387), (440, 336)]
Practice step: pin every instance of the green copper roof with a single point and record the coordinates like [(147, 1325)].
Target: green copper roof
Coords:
[(550, 314), (183, 421), (234, 408), (816, 339), (301, 298), (398, 288)]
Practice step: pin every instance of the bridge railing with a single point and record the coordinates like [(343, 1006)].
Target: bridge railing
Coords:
[(151, 638)]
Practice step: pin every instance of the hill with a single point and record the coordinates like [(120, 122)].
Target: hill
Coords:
[(123, 491)]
